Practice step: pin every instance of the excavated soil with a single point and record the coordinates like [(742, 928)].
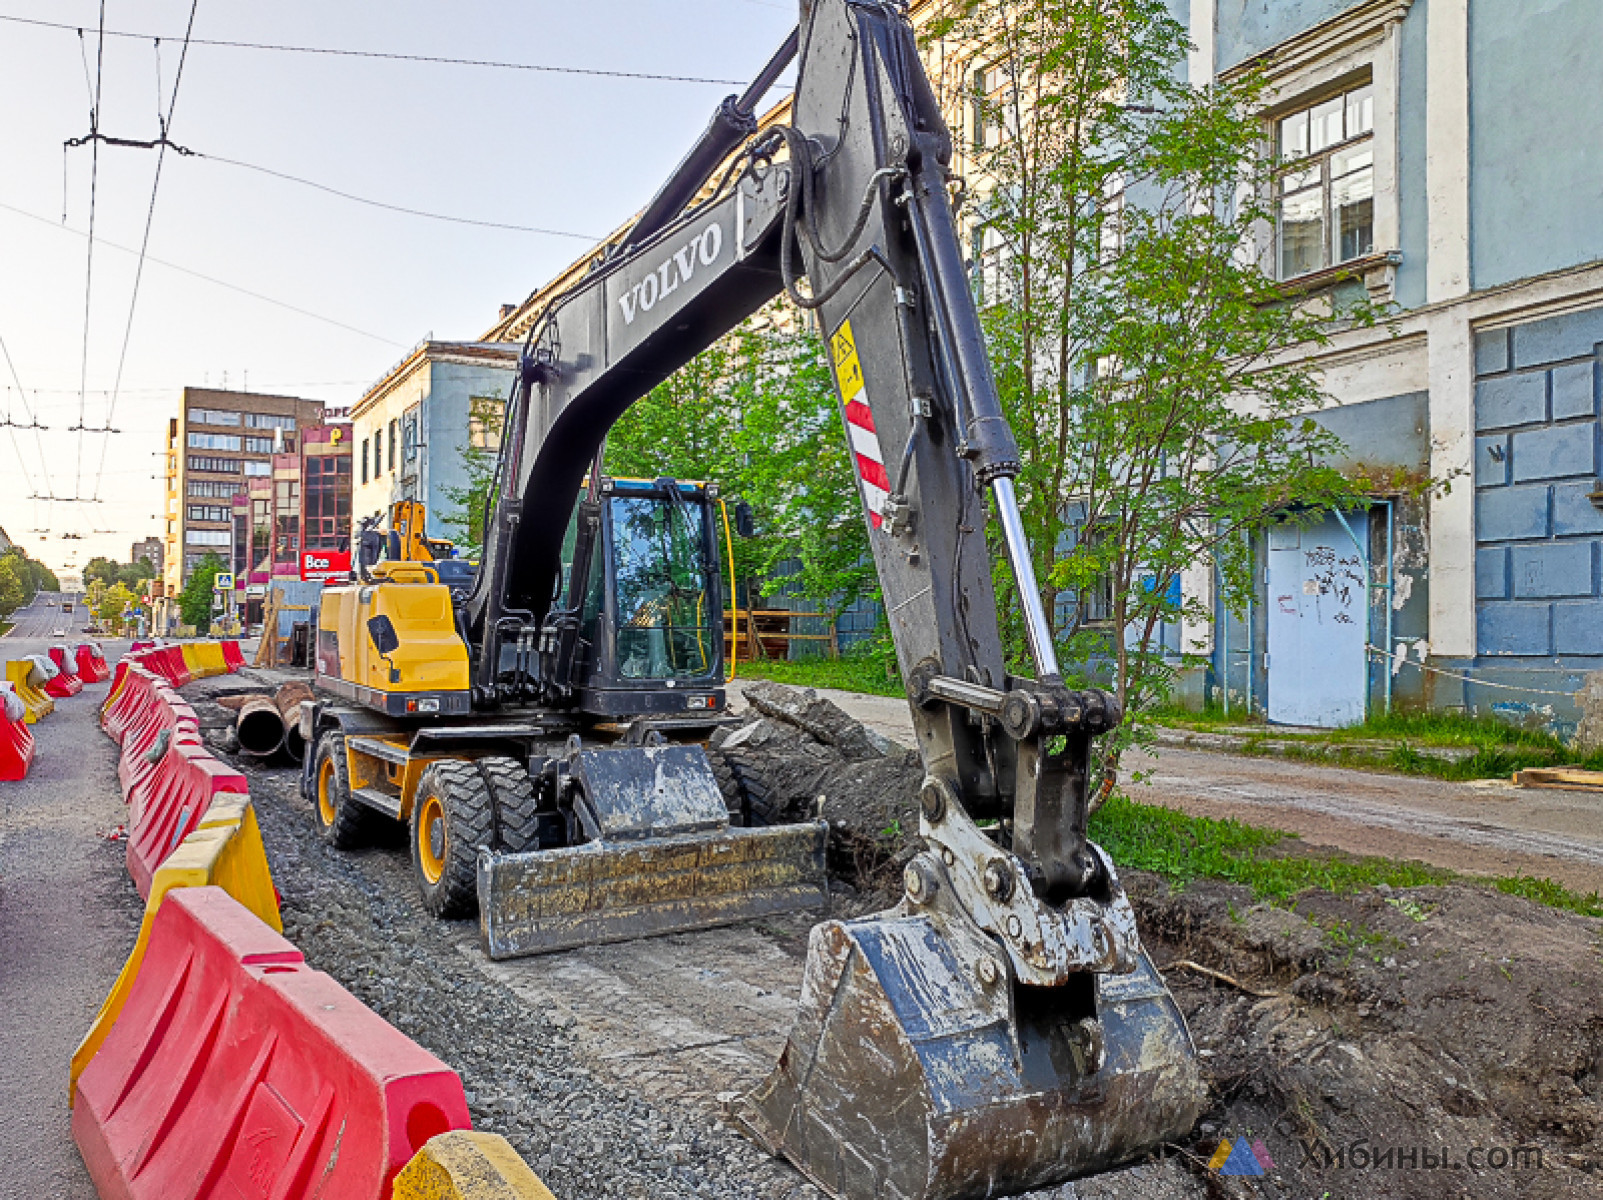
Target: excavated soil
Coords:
[(1419, 1043)]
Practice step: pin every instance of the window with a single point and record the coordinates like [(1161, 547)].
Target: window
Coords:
[(486, 416), (211, 416), (211, 489), (1325, 207), (326, 512), (221, 466), (258, 445), (269, 421), (206, 537), (258, 468), (378, 451), (364, 460), (409, 439), (213, 441), (210, 512), (990, 101), (393, 432)]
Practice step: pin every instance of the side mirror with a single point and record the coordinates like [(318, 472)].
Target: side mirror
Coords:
[(744, 525), (371, 547), (382, 630)]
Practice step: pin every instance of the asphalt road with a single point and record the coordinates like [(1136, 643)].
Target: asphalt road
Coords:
[(68, 917), (1488, 827), (43, 617)]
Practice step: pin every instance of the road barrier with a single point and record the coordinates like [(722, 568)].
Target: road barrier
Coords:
[(47, 674), (35, 702), (204, 659), (464, 1165), (235, 1069), (226, 852), (148, 739), (171, 805), (61, 656), (90, 662), (16, 743)]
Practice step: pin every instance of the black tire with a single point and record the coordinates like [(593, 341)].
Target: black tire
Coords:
[(344, 823), (454, 811), (517, 823), (747, 795)]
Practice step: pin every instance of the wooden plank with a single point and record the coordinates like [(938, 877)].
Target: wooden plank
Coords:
[(1569, 778)]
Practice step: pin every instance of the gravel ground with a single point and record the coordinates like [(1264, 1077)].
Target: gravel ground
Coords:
[(68, 917)]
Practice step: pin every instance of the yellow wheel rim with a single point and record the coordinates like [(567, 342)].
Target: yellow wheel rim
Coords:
[(325, 785), (431, 839)]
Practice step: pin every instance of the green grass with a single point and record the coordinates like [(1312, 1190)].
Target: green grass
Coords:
[(6, 627), (1183, 848), (851, 673)]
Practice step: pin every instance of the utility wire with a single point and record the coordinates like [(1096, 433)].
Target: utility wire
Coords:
[(89, 258), (397, 57), (144, 244), (222, 283), (12, 430)]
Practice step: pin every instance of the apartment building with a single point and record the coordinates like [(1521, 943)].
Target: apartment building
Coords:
[(148, 551), (217, 445)]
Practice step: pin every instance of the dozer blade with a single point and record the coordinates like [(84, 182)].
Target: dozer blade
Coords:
[(916, 1071), (605, 891)]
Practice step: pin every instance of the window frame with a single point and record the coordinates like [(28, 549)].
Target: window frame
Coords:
[(1320, 162)]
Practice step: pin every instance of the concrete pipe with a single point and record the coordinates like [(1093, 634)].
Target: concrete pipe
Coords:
[(260, 729), (288, 702)]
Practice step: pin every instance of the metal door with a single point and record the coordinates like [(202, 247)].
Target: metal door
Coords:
[(1318, 623)]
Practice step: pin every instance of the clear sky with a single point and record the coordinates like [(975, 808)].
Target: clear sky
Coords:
[(562, 152)]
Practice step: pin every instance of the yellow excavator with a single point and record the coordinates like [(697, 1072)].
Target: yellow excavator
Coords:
[(538, 724)]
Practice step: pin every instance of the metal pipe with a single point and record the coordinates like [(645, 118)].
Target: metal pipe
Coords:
[(1224, 638), (1018, 551), (1252, 632), (260, 726), (1391, 597)]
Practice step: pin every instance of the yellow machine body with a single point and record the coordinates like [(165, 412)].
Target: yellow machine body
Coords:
[(424, 674)]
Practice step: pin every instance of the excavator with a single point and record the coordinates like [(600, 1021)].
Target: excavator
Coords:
[(1002, 1027)]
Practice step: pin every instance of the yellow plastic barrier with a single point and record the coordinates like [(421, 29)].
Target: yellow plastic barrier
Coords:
[(204, 659), (226, 851), (463, 1165), (35, 704)]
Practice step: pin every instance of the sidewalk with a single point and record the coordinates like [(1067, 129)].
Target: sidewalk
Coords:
[(1483, 828)]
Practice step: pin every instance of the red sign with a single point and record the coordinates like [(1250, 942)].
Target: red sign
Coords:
[(325, 566)]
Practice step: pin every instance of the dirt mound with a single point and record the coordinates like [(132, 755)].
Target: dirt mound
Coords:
[(1420, 1043)]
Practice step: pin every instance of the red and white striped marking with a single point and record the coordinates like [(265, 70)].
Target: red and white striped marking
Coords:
[(860, 424)]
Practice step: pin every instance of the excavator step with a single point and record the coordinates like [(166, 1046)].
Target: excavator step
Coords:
[(608, 891)]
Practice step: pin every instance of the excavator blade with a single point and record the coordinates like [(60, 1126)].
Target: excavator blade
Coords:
[(613, 891), (917, 1071)]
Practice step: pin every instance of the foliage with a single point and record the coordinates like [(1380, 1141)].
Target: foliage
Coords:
[(858, 670), (112, 603), (195, 602), (756, 414), (33, 575), (1135, 345), (466, 519), (13, 592), (108, 572)]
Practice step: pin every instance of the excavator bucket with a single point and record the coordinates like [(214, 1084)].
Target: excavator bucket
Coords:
[(661, 858), (918, 1070)]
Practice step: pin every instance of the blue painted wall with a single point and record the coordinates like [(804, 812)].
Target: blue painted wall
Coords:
[(1244, 28), (1413, 207), (445, 430), (1536, 105)]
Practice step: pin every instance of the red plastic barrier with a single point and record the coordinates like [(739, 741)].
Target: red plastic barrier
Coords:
[(130, 694), (166, 715), (233, 657), (138, 646), (168, 662), (167, 807), (90, 663), (16, 741), (236, 1070), (66, 683)]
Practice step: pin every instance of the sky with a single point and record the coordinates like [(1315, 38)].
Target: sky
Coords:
[(575, 154)]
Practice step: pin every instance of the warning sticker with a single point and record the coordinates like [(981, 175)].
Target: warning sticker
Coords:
[(848, 371)]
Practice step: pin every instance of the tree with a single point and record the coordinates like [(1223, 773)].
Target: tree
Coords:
[(195, 602), (102, 569), (131, 575), (112, 604), (13, 593), (1137, 347)]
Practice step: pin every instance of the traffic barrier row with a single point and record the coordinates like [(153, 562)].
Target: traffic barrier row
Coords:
[(16, 743), (229, 1067), (226, 852), (235, 1069), (90, 660), (66, 682), (36, 704)]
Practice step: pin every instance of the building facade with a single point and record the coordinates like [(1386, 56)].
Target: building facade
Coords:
[(148, 551), (220, 443), (411, 430)]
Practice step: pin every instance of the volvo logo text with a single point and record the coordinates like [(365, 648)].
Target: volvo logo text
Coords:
[(665, 280)]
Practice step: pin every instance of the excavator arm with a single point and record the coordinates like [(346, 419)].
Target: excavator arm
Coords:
[(1025, 1034)]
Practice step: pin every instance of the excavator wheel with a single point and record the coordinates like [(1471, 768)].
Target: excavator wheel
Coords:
[(343, 822), (517, 822), (452, 816), (746, 793)]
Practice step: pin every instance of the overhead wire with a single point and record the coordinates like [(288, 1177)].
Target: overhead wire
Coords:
[(89, 258), (144, 244), (393, 56), (223, 283), (12, 429)]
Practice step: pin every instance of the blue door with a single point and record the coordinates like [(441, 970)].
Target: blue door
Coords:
[(1318, 624)]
